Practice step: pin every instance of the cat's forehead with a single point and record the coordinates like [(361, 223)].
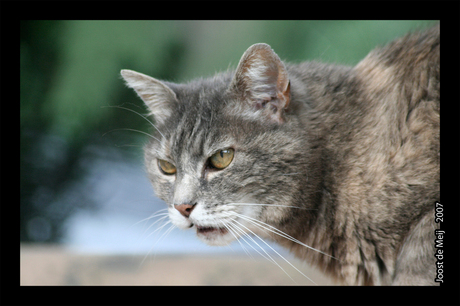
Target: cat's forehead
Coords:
[(196, 130), (199, 135), (199, 100)]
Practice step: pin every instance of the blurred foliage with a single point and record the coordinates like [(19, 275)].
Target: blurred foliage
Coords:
[(69, 70)]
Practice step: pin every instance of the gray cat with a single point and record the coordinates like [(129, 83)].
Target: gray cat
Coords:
[(338, 164)]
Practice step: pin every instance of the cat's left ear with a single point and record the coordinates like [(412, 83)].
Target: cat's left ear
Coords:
[(262, 80), (156, 95)]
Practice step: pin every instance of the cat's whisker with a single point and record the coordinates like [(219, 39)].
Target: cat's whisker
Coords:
[(159, 239), (268, 257), (275, 252), (157, 229), (242, 236), (238, 237), (156, 151), (165, 215), (129, 145), (133, 130), (231, 231), (274, 230), (156, 214), (234, 234), (128, 109)]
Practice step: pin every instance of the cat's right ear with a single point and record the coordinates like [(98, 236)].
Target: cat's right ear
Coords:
[(155, 94), (261, 79)]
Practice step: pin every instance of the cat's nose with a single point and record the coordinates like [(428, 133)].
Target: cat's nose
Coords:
[(185, 209)]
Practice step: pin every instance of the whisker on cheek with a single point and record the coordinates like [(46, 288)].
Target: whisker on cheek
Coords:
[(276, 231), (274, 261)]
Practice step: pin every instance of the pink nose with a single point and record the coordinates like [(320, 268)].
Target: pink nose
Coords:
[(185, 209)]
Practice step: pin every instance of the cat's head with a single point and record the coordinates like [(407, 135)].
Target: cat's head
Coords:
[(227, 151)]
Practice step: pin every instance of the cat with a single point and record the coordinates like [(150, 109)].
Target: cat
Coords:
[(338, 164)]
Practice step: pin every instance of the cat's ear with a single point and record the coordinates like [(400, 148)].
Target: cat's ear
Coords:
[(155, 94), (262, 80)]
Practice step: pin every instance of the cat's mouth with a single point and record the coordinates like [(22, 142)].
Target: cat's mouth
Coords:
[(207, 230), (213, 235)]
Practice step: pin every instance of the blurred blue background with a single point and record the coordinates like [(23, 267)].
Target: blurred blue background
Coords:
[(83, 184)]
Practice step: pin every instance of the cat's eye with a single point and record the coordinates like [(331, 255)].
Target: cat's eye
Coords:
[(221, 159), (166, 167)]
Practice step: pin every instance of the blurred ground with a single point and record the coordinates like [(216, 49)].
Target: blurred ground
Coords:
[(53, 265)]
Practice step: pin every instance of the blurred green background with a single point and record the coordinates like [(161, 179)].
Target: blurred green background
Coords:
[(69, 70)]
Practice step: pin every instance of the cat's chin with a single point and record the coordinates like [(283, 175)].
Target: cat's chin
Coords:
[(214, 236)]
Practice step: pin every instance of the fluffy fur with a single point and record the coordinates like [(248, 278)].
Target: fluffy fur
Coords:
[(342, 159)]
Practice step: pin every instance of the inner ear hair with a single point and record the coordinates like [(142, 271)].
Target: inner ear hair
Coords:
[(262, 79)]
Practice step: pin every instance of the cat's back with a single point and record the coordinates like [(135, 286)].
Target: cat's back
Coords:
[(400, 95), (377, 129), (382, 114)]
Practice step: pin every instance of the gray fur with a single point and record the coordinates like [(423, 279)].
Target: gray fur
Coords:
[(348, 157)]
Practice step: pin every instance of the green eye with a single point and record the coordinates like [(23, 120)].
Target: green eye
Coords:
[(166, 167), (221, 159)]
